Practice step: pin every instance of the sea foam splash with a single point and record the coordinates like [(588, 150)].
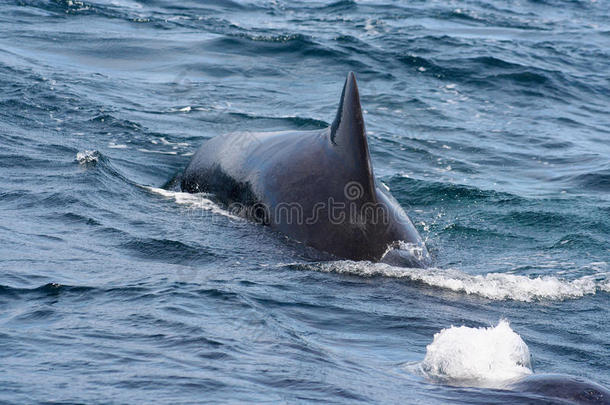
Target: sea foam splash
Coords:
[(489, 357), (87, 156), (495, 286)]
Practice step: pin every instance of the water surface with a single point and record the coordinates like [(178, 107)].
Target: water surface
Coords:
[(489, 122)]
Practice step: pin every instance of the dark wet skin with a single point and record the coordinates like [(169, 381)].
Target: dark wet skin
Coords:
[(317, 187), (568, 389)]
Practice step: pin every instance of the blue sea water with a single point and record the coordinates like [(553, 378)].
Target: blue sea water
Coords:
[(489, 121)]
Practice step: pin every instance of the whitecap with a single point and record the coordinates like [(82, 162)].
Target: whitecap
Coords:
[(87, 156)]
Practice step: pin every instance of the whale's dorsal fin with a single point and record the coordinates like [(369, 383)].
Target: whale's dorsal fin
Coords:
[(348, 137)]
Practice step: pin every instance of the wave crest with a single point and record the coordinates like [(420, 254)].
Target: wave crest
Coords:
[(87, 156)]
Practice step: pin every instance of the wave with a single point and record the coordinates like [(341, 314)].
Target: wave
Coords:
[(427, 192), (90, 158), (298, 44), (49, 289), (292, 120), (341, 5), (494, 286), (109, 121), (87, 157), (167, 251), (599, 180), (496, 73)]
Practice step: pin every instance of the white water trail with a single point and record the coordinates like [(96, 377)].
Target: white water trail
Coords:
[(193, 201), (495, 286)]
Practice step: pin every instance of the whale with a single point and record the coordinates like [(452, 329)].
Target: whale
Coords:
[(563, 388), (315, 187)]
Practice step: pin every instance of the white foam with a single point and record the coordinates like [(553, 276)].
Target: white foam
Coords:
[(419, 252), (161, 152), (496, 286), (193, 201), (166, 142), (490, 357), (87, 156), (180, 109)]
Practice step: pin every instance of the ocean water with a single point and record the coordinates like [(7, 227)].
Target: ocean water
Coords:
[(489, 121)]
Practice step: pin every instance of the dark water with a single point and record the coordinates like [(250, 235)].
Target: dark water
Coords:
[(489, 121)]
